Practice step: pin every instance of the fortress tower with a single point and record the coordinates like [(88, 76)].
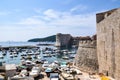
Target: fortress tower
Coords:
[(108, 42)]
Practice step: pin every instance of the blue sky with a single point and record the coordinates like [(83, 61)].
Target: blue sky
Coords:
[(21, 20)]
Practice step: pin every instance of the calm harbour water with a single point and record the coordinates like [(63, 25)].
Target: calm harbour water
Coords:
[(16, 60)]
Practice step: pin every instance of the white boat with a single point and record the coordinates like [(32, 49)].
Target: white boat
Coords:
[(72, 55), (48, 52), (35, 72), (11, 56), (45, 65), (54, 65), (30, 53), (15, 55), (54, 76), (23, 73), (63, 64), (29, 63), (65, 57), (47, 55), (1, 57), (4, 53)]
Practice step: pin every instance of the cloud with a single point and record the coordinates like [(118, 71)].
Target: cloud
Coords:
[(31, 21), (79, 8), (52, 22), (56, 18), (50, 13), (86, 20)]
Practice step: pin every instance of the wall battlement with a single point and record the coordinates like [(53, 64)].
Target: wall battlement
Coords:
[(68, 40), (86, 58), (87, 43)]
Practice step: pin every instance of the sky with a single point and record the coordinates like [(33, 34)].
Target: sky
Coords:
[(21, 20)]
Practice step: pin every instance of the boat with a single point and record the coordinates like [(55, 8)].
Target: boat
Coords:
[(11, 56), (72, 56), (54, 65), (2, 77), (48, 71), (15, 52), (24, 54), (15, 55), (1, 57), (29, 57), (20, 67), (30, 53), (23, 73), (35, 72), (47, 55), (63, 64), (35, 56), (45, 65), (65, 57), (4, 53), (54, 76), (67, 76), (29, 63)]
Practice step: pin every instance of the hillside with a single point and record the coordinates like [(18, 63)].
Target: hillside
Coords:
[(49, 39)]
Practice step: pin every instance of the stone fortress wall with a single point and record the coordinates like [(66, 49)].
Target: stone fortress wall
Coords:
[(108, 42), (63, 40), (86, 57), (86, 54), (102, 54)]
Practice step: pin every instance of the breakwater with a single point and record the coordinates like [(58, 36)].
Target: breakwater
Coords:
[(23, 47)]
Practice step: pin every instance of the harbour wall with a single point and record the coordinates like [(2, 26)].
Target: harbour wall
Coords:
[(86, 57), (108, 42)]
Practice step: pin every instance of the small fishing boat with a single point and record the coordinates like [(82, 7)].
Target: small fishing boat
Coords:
[(1, 56), (48, 71), (72, 56), (15, 55), (4, 53), (45, 65), (65, 57), (30, 53), (35, 72), (47, 55), (11, 56)]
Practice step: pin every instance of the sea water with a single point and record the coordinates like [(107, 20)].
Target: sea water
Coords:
[(16, 60)]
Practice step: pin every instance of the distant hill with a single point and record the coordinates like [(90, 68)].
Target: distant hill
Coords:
[(49, 39)]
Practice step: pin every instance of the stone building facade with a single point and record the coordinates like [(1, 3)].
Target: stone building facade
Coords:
[(108, 42), (86, 57)]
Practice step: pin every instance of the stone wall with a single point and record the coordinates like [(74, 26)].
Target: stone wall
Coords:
[(86, 57), (63, 40), (108, 42)]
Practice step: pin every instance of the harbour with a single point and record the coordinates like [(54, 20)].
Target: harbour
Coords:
[(41, 63), (30, 56), (59, 40)]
